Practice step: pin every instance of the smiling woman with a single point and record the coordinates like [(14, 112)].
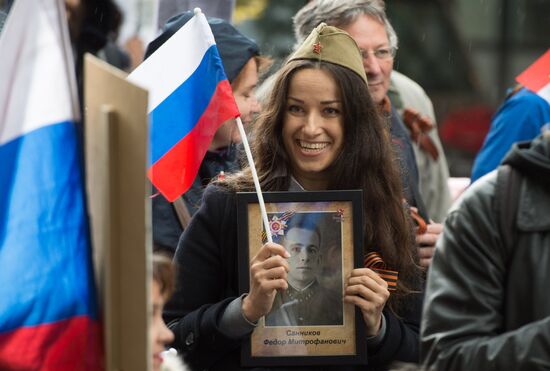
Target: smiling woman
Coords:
[(319, 130)]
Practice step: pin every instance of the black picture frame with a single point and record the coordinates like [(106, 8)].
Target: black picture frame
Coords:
[(308, 339)]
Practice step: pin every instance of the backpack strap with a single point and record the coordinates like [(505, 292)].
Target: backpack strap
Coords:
[(507, 204)]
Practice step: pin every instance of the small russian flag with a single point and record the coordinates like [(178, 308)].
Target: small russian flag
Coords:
[(189, 98), (537, 77)]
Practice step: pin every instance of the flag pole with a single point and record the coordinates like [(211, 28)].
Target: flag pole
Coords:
[(255, 178)]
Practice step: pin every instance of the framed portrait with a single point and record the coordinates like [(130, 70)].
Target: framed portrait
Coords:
[(309, 324)]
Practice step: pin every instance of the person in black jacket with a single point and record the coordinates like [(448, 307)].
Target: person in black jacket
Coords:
[(319, 131), (487, 290), (241, 62)]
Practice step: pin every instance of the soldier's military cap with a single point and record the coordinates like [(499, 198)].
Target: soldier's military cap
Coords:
[(331, 44)]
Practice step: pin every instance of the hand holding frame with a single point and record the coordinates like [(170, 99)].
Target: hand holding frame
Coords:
[(268, 273), (369, 292)]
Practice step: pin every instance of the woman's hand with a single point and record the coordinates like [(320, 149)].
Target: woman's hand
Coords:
[(268, 273), (369, 292)]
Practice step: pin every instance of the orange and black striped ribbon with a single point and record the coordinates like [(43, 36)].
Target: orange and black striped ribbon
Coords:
[(374, 261), (419, 125), (419, 221)]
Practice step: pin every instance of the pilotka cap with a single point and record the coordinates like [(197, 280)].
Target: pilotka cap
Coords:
[(331, 44)]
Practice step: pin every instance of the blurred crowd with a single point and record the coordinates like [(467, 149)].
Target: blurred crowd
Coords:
[(472, 261)]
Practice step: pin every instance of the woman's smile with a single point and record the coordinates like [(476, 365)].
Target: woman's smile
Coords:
[(312, 148)]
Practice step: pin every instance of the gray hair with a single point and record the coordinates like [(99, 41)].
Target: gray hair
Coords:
[(340, 13)]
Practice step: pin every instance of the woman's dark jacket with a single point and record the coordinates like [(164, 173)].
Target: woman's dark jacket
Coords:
[(207, 281)]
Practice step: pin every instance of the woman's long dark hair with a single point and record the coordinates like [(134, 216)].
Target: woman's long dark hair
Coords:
[(366, 162)]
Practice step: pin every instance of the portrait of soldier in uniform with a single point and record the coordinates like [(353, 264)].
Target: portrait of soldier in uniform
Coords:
[(308, 301)]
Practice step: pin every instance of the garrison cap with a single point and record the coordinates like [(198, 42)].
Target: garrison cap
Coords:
[(331, 44)]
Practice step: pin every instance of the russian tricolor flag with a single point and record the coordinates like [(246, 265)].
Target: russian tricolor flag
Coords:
[(48, 313), (537, 77), (189, 98)]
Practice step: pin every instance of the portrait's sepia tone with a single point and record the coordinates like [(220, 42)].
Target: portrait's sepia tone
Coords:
[(309, 323)]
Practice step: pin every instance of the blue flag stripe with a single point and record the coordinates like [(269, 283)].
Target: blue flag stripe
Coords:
[(45, 266), (182, 109)]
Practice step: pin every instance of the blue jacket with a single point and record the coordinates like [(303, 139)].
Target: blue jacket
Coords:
[(520, 118)]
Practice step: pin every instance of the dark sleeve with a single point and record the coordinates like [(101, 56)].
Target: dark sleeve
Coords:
[(401, 341), (166, 226), (463, 320), (205, 281)]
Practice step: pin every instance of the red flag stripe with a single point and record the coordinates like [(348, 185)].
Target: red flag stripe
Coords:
[(73, 344), (537, 75), (166, 174)]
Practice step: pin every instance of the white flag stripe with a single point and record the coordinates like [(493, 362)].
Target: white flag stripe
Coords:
[(545, 92), (25, 79), (171, 64)]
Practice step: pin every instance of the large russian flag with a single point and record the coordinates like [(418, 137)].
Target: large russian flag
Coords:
[(537, 77), (189, 98), (48, 313)]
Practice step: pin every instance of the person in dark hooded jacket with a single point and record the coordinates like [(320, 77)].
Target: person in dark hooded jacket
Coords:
[(487, 305), (241, 62)]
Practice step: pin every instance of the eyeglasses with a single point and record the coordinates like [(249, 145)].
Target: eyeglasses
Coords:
[(382, 53)]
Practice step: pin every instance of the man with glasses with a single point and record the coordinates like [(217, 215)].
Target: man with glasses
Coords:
[(367, 23)]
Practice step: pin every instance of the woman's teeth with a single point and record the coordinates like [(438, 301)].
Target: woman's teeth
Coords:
[(308, 146)]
